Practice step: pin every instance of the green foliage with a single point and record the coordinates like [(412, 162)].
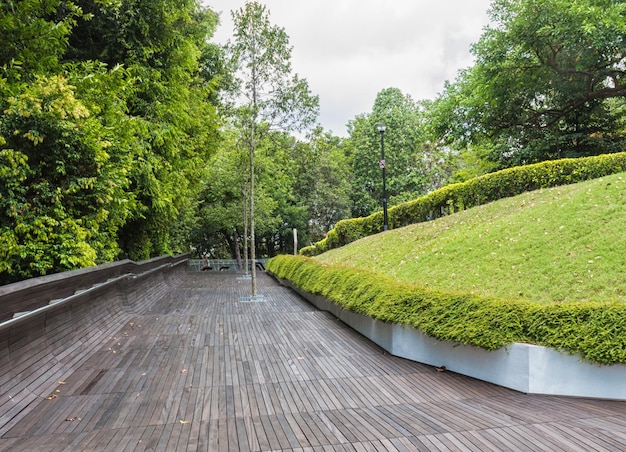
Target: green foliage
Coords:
[(547, 83), (413, 165), (34, 35), (300, 185), (162, 43), (321, 184), (60, 185), (106, 124), (595, 331), (472, 193)]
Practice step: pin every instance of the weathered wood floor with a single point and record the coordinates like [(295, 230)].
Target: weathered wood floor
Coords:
[(205, 371)]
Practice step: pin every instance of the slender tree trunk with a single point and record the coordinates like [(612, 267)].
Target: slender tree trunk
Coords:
[(252, 149), (244, 193), (252, 239), (236, 249)]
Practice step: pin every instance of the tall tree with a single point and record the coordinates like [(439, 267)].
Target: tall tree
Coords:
[(107, 118), (548, 82), (408, 159), (268, 96), (164, 46)]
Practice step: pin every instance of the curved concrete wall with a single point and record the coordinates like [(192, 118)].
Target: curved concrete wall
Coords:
[(524, 367)]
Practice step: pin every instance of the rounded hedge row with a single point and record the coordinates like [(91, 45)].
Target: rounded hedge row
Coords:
[(595, 331), (472, 193)]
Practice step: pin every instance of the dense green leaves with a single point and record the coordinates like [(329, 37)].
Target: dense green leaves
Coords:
[(34, 35), (60, 186), (548, 83), (107, 117), (593, 330), (414, 166)]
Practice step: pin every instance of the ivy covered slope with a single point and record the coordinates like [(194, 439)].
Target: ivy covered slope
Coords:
[(545, 267)]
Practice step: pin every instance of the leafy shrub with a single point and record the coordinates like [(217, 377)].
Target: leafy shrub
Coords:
[(595, 331), (474, 192)]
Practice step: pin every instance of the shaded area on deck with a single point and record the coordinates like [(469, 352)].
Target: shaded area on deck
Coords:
[(190, 367)]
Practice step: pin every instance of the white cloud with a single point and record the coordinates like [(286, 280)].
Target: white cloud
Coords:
[(350, 50)]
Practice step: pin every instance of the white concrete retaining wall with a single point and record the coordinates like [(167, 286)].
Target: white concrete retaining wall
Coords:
[(527, 368)]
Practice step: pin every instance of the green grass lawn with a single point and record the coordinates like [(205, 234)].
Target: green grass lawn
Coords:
[(557, 245)]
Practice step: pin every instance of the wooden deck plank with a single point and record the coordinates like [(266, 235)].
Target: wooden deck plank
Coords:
[(196, 369)]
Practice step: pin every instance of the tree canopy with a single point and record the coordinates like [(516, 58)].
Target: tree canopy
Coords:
[(106, 118), (548, 83)]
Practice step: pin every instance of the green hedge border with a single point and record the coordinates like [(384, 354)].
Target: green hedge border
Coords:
[(472, 193), (595, 331)]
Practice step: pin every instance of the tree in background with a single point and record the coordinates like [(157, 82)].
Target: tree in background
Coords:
[(164, 46), (107, 119), (548, 83), (302, 184), (322, 187), (411, 162), (266, 93)]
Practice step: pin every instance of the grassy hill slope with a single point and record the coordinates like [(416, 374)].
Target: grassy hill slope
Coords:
[(555, 245)]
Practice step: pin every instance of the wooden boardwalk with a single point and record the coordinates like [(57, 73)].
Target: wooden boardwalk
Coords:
[(201, 370)]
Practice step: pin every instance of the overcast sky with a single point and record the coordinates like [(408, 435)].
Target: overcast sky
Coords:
[(350, 50)]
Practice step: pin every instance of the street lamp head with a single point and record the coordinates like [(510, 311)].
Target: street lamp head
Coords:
[(381, 127)]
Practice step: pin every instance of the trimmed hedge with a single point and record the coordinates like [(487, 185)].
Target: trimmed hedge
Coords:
[(595, 331), (472, 193)]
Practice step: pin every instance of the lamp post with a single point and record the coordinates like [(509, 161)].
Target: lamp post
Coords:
[(381, 128)]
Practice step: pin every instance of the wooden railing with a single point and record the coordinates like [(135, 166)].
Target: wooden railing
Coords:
[(31, 294)]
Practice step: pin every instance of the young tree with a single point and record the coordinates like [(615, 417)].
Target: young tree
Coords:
[(267, 95)]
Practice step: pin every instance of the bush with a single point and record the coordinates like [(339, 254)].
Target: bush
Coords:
[(595, 331)]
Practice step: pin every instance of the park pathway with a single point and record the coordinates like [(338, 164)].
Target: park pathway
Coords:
[(200, 370)]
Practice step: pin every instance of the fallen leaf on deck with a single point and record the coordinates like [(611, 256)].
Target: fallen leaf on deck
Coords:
[(184, 422), (50, 397)]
